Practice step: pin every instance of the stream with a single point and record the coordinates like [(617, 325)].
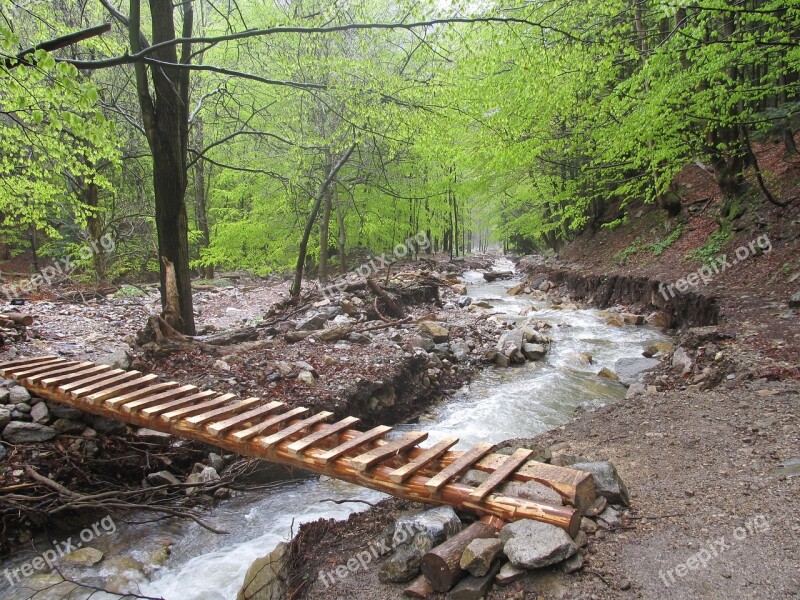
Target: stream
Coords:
[(499, 404)]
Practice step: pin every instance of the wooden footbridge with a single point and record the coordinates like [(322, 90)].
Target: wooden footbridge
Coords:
[(397, 465)]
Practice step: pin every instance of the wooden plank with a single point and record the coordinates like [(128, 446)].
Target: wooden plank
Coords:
[(50, 365), (221, 426), (458, 466), (362, 462), (30, 373), (188, 411), (122, 388), (324, 433), (362, 438), (77, 383), (279, 436), (22, 362), (75, 368), (511, 464), (149, 399), (61, 379), (135, 395), (576, 487), (427, 456), (113, 384), (152, 411), (246, 434), (224, 412)]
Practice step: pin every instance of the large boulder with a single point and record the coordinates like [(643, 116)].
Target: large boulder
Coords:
[(436, 524), (20, 432), (533, 351), (479, 555), (266, 577), (607, 481), (18, 394), (405, 562), (438, 333), (631, 370), (5, 416), (533, 544)]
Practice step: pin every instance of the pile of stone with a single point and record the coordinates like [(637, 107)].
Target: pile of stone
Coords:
[(436, 552), (28, 419), (525, 343)]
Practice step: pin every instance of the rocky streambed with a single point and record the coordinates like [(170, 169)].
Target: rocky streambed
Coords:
[(570, 362)]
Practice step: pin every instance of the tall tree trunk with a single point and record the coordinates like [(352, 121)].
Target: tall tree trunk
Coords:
[(201, 200), (165, 116), (324, 227), (342, 231), (312, 217), (35, 248), (91, 197)]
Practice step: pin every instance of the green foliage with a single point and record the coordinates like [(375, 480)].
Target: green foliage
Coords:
[(658, 247), (713, 247), (623, 255)]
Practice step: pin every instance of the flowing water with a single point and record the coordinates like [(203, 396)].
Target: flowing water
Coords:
[(500, 404)]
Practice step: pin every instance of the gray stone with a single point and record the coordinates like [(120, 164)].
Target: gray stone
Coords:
[(479, 554), (266, 577), (422, 341), (59, 411), (209, 474), (474, 477), (533, 544), (193, 479), (35, 400), (607, 481), (20, 416), (435, 524), (4, 395), (19, 432), (610, 517), (464, 301), (312, 323), (118, 359), (531, 490), (68, 426), (460, 350), (682, 360), (40, 414), (23, 407), (509, 574), (533, 351), (474, 588), (18, 394), (794, 301), (405, 562), (5, 416), (631, 370), (572, 564), (588, 525), (104, 425), (215, 460), (307, 377), (636, 389), (153, 437), (3, 452), (162, 478), (359, 338)]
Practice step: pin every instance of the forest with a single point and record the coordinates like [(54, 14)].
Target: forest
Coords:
[(283, 135)]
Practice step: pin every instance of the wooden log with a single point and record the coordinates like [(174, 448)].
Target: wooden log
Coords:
[(511, 464), (364, 461), (393, 307), (428, 455), (237, 336), (495, 275), (320, 435), (18, 318), (441, 565), (458, 466), (419, 588)]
